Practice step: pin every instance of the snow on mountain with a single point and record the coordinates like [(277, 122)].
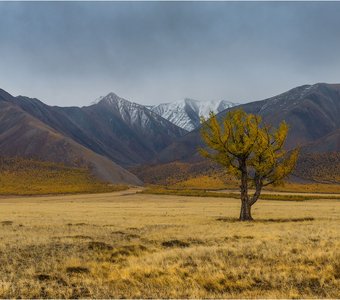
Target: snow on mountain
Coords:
[(131, 113), (138, 116), (186, 113)]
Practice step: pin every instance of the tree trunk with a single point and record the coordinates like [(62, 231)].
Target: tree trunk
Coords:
[(245, 214), (258, 189)]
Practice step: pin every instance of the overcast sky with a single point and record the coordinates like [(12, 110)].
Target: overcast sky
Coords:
[(69, 53)]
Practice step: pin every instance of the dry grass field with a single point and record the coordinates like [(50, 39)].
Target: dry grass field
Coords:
[(140, 246)]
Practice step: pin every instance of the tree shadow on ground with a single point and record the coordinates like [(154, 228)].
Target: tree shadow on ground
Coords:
[(280, 220)]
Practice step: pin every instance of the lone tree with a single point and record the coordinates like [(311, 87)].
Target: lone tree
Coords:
[(250, 150)]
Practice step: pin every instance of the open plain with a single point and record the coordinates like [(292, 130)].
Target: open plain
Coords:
[(132, 245)]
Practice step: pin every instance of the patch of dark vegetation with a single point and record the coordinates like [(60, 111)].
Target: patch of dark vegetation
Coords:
[(77, 270), (118, 232), (61, 281), (238, 237), (286, 220), (79, 236), (99, 246), (124, 235), (175, 243), (7, 223), (262, 284), (80, 292), (294, 251), (233, 220), (132, 236), (313, 284), (43, 277), (133, 228), (212, 287), (336, 269), (77, 224), (250, 256)]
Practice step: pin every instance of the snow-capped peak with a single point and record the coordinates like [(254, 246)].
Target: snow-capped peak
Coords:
[(186, 113), (138, 116), (131, 112)]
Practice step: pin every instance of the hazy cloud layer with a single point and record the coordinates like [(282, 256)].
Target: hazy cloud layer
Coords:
[(69, 53)]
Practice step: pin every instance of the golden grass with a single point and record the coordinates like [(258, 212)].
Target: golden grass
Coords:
[(217, 182), (205, 182), (306, 188), (158, 246), (159, 190), (28, 177)]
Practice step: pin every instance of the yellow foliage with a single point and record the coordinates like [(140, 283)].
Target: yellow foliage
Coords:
[(241, 144)]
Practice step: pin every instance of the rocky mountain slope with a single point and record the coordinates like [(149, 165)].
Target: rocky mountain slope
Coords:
[(312, 112), (24, 135), (125, 132), (186, 113)]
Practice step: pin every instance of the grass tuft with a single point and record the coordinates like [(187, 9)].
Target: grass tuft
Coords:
[(7, 223), (43, 277), (77, 270), (175, 243), (99, 246)]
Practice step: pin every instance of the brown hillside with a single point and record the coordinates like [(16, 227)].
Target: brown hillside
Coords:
[(25, 136)]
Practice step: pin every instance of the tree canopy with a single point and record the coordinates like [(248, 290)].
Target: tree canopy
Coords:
[(250, 150)]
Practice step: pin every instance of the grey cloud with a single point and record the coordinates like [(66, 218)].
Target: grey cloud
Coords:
[(68, 53)]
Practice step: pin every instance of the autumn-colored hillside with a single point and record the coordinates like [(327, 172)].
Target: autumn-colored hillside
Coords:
[(29, 177)]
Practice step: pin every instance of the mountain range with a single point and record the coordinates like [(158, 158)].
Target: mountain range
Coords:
[(113, 134), (311, 111), (106, 136), (125, 132)]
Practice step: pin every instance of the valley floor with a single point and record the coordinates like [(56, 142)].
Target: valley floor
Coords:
[(132, 245)]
